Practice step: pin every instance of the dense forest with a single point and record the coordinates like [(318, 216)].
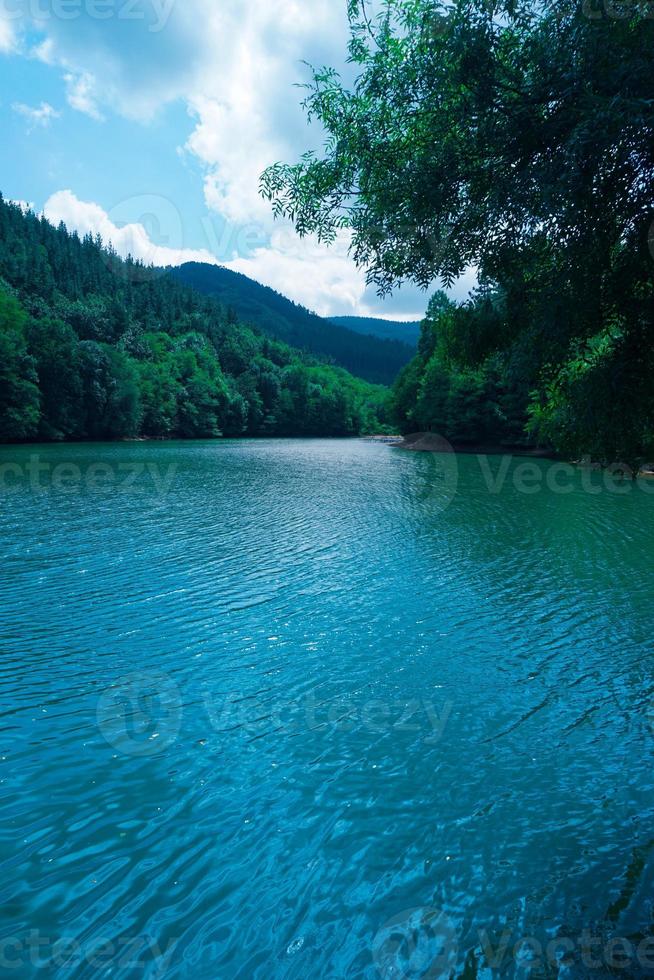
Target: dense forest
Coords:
[(515, 138), (456, 387), (371, 357), (95, 347)]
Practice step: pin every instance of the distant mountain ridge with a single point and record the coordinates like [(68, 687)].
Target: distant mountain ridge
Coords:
[(371, 357), (406, 332)]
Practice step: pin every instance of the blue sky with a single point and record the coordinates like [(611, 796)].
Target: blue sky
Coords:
[(150, 121)]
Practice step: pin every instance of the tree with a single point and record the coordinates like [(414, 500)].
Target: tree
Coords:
[(516, 137), (54, 347), (19, 393), (111, 398), (483, 126)]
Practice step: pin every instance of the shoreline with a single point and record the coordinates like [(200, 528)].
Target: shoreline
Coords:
[(418, 443), (428, 442)]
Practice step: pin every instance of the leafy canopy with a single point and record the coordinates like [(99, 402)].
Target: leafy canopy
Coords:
[(476, 128), (516, 138)]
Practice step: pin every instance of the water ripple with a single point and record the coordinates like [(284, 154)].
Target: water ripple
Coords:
[(247, 724)]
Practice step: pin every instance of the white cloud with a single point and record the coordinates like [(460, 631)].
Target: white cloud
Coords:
[(44, 51), (135, 238), (81, 86), (81, 94), (23, 205), (7, 36), (230, 144), (248, 113), (136, 55), (323, 279), (326, 280), (41, 115), (236, 66)]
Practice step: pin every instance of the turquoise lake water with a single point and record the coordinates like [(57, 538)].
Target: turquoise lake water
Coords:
[(323, 709)]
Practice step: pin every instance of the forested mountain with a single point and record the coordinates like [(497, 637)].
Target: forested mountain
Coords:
[(368, 357), (95, 347), (406, 333)]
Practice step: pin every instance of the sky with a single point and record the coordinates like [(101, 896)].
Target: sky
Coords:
[(150, 121)]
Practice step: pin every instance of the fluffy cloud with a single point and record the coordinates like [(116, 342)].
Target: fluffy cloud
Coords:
[(134, 55), (323, 279), (41, 115), (249, 113), (236, 66), (81, 94), (7, 38), (160, 220)]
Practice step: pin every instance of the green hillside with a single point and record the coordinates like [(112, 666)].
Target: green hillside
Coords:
[(372, 358), (94, 347)]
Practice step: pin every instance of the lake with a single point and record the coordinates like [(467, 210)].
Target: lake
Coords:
[(323, 708)]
